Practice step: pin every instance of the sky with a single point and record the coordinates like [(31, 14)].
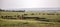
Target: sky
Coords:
[(16, 4)]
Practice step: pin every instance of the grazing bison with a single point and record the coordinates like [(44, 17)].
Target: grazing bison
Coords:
[(42, 19)]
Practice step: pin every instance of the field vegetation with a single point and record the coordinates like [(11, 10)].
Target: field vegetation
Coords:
[(54, 19), (27, 23)]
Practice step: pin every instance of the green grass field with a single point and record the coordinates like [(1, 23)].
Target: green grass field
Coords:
[(27, 23), (29, 14)]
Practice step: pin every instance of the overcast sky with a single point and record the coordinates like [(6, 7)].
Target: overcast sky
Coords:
[(13, 4)]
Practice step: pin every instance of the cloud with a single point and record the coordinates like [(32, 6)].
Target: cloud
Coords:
[(30, 4)]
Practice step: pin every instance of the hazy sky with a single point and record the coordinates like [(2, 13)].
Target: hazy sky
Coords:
[(29, 4)]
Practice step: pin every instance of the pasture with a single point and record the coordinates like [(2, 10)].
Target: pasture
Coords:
[(29, 22)]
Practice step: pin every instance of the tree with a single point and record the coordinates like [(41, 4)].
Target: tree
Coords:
[(0, 9)]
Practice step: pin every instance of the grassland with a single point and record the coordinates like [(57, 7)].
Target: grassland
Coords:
[(27, 23), (29, 14)]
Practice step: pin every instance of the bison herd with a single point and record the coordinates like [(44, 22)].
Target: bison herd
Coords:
[(22, 17)]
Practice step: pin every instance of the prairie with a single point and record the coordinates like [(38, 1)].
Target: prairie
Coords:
[(29, 22)]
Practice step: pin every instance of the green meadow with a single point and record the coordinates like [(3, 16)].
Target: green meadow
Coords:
[(29, 22)]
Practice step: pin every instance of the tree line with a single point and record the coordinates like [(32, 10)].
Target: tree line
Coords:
[(12, 10)]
